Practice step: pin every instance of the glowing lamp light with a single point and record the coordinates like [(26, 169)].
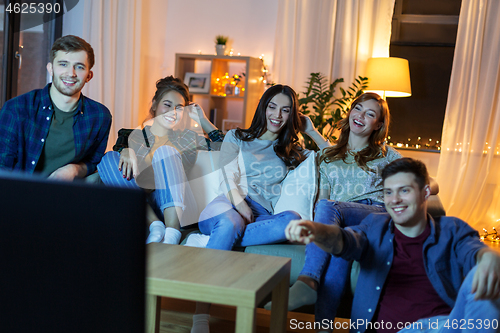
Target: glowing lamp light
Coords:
[(388, 77)]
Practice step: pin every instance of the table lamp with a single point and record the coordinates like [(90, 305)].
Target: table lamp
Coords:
[(388, 77)]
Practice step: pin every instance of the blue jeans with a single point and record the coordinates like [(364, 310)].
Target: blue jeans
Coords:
[(170, 183), (227, 228), (332, 273), (467, 314)]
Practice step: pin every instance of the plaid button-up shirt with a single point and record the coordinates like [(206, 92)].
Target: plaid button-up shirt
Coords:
[(25, 123)]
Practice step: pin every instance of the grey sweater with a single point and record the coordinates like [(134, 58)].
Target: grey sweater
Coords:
[(347, 181), (253, 168)]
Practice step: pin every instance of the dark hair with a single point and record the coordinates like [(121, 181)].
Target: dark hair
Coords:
[(287, 147), (375, 141), (72, 43), (407, 164), (165, 85)]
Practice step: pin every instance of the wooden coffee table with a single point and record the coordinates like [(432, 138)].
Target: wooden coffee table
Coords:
[(214, 276)]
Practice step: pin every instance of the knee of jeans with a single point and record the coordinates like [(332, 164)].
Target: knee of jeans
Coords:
[(327, 210), (290, 215), (109, 157), (165, 151), (467, 283), (325, 204), (230, 224)]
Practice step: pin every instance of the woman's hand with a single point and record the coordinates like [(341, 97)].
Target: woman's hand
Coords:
[(306, 124), (196, 112), (308, 128), (245, 212), (128, 164)]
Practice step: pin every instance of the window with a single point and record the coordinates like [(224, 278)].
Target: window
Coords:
[(26, 39), (424, 32)]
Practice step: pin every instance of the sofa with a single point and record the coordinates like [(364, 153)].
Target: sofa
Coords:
[(299, 190)]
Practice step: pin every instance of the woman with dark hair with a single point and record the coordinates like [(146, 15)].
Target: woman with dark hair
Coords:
[(350, 189), (156, 158), (254, 162)]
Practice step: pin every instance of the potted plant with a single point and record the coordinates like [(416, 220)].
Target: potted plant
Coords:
[(220, 44), (327, 109)]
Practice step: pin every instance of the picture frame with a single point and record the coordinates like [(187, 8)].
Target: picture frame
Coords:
[(197, 82)]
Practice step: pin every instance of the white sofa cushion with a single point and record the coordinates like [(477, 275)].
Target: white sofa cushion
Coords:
[(299, 189)]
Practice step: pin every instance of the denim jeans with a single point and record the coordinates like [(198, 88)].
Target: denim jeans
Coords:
[(170, 182), (227, 228), (467, 314), (332, 273)]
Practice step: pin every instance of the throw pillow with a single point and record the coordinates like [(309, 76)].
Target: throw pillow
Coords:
[(299, 189)]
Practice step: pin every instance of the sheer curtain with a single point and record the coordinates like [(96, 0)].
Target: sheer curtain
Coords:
[(469, 166), (113, 28), (334, 37)]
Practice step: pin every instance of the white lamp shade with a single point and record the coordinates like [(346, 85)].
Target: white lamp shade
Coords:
[(388, 77)]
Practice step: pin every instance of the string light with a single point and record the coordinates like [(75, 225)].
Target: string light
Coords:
[(228, 85), (426, 144), (491, 236), (435, 145)]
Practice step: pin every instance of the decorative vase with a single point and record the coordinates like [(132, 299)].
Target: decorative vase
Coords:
[(220, 49)]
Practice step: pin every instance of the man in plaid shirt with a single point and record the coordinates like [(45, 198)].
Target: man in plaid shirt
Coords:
[(56, 131)]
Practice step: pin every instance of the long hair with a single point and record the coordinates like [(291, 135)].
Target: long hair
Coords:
[(376, 140), (287, 147)]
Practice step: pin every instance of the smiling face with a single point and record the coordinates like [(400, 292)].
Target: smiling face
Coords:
[(405, 201), (170, 109), (365, 117), (277, 113), (70, 71)]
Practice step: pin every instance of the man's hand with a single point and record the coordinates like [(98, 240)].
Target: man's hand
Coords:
[(128, 164), (69, 172), (301, 231), (326, 237), (486, 281), (245, 211)]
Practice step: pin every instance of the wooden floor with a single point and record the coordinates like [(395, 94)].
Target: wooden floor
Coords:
[(177, 315)]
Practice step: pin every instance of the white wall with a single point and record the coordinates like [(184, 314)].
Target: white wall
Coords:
[(73, 20), (430, 159), (193, 24), (189, 26)]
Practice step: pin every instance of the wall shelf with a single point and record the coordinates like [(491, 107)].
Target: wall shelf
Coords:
[(232, 107)]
